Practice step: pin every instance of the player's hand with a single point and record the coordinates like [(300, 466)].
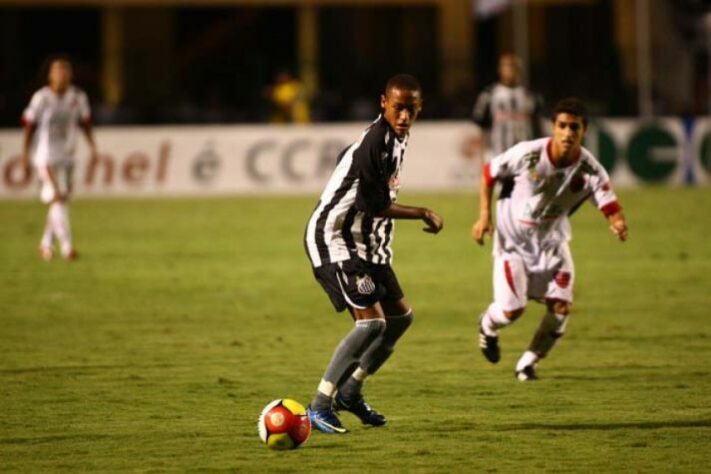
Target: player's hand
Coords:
[(433, 220), (481, 228), (25, 164), (618, 226)]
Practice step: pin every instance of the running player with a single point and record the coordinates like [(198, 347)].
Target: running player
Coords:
[(348, 240), (543, 182), (506, 110), (50, 128)]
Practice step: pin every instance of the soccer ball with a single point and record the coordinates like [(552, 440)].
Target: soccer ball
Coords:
[(283, 424)]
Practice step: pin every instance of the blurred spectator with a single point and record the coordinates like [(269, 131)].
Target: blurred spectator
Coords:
[(289, 100), (506, 110)]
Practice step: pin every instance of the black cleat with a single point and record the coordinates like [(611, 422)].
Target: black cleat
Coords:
[(362, 410), (489, 346), (527, 374)]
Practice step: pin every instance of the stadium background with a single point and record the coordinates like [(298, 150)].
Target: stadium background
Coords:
[(192, 304)]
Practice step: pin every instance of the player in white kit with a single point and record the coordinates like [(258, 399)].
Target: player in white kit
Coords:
[(51, 123), (543, 182)]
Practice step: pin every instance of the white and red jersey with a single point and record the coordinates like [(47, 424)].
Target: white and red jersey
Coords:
[(537, 197), (56, 117)]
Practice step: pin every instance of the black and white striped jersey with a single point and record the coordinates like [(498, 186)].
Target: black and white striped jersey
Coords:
[(364, 183), (510, 115)]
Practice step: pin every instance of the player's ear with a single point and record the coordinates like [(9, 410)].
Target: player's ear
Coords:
[(383, 101)]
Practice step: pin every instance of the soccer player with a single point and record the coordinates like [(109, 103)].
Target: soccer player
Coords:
[(507, 111), (50, 127), (544, 181), (349, 242)]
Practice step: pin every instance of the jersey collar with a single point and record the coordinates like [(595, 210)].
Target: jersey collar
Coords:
[(549, 152)]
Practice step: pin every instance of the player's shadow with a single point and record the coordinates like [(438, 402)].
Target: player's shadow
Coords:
[(640, 425)]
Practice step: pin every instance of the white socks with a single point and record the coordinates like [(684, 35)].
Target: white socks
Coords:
[(551, 329), (493, 319), (48, 235), (528, 358), (58, 226)]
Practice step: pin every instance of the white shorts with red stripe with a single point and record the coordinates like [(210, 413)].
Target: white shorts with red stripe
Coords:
[(515, 283)]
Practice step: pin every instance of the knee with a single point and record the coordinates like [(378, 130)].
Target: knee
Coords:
[(514, 314), (397, 325), (559, 307)]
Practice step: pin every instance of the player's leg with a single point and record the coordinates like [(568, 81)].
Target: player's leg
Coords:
[(510, 296), (47, 196), (45, 247), (60, 209), (558, 298), (398, 317), (359, 292)]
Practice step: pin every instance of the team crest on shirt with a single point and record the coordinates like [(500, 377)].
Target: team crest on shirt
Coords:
[(562, 279), (531, 160), (365, 285)]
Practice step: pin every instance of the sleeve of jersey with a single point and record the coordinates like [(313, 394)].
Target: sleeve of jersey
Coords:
[(603, 195), (31, 113), (499, 167), (373, 193), (481, 115)]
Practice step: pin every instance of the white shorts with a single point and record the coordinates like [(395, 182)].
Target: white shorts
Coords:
[(515, 284), (62, 175)]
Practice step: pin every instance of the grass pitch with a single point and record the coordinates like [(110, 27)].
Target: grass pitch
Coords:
[(157, 349)]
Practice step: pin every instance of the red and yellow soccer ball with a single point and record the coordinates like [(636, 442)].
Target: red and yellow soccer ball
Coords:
[(283, 424)]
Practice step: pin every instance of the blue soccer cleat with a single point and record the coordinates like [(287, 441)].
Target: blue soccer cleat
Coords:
[(325, 421), (362, 410)]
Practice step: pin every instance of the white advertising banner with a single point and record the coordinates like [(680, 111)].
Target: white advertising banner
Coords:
[(235, 159), (264, 159)]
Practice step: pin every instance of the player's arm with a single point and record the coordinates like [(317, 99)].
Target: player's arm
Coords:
[(613, 212), (483, 225), (89, 134), (373, 194), (29, 119), (85, 123), (481, 114), (605, 199), (28, 133), (432, 220)]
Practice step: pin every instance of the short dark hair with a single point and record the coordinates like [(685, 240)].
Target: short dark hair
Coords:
[(403, 81), (572, 106)]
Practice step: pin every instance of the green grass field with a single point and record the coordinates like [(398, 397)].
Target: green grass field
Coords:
[(158, 348)]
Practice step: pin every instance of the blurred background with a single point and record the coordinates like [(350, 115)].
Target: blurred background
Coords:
[(218, 61)]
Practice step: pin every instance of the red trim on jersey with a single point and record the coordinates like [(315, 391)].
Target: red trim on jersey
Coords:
[(487, 175), (549, 151), (26, 123), (611, 208), (85, 122), (509, 277)]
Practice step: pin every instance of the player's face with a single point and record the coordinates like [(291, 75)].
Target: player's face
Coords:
[(568, 134), (60, 75), (401, 108), (509, 70)]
